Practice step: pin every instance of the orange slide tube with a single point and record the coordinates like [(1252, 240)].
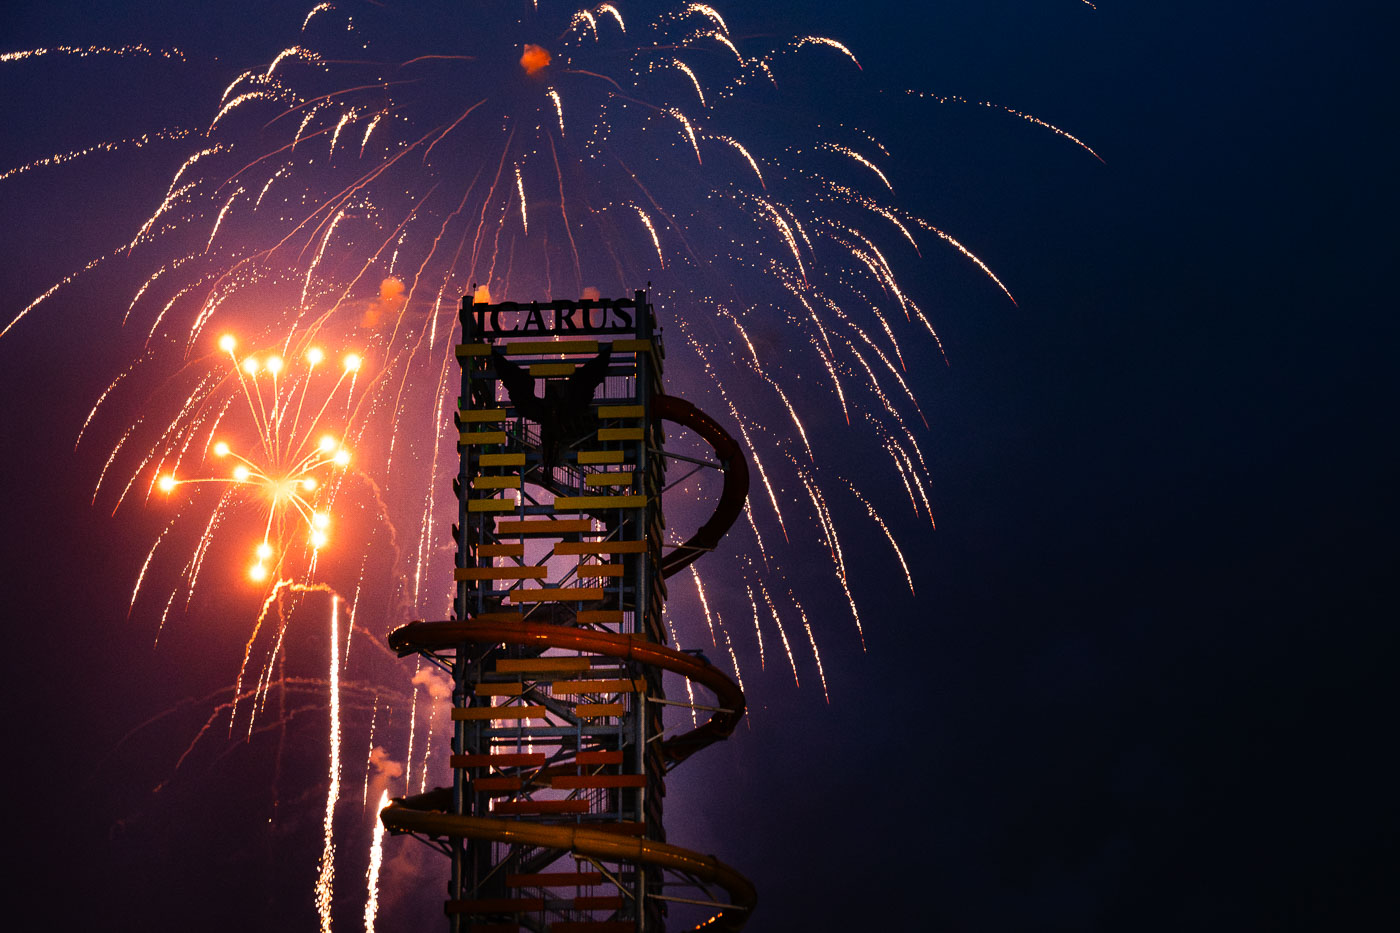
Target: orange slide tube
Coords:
[(419, 815), (424, 813), (417, 636), (736, 480)]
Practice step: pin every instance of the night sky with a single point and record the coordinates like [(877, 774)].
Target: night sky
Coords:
[(1146, 681)]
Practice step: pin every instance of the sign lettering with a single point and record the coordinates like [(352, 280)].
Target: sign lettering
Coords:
[(583, 317)]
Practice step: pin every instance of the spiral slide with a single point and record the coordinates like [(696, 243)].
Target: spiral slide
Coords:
[(425, 813)]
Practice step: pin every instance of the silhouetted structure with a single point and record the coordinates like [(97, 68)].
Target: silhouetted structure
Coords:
[(556, 645)]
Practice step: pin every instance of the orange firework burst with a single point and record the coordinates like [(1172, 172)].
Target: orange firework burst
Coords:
[(293, 462), (292, 417)]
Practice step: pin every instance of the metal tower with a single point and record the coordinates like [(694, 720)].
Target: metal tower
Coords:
[(556, 645)]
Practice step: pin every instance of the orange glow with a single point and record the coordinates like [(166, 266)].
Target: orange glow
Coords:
[(390, 302), (535, 59)]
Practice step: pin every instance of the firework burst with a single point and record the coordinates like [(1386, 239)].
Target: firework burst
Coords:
[(291, 461), (376, 163), (386, 161), (372, 165)]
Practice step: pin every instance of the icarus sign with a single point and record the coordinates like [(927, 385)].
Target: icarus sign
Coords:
[(554, 318)]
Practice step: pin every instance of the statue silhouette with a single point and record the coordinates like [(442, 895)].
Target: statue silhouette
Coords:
[(564, 415)]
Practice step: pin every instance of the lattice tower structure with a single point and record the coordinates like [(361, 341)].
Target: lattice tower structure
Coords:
[(557, 646)]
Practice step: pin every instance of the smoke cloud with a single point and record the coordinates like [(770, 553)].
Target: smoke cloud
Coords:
[(535, 59), (388, 305), (382, 769), (435, 682)]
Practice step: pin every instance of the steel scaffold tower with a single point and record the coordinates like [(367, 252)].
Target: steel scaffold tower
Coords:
[(556, 645)]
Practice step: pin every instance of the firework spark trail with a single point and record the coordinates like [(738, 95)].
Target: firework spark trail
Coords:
[(427, 747), (739, 147), (785, 231), (369, 755), (228, 205), (874, 514), (757, 629), (908, 471), (651, 229), (908, 392), (412, 722), (704, 604), (272, 599), (318, 8), (162, 448), (821, 672), (325, 880), (733, 657), (773, 383), (743, 430), (52, 289), (831, 43), (782, 632), (376, 858), (59, 158), (823, 347), (172, 193), (263, 688), (202, 548), (288, 683), (440, 426), (354, 607), (873, 383), (834, 544), (92, 413), (203, 730), (111, 457), (145, 565), (851, 153), (94, 50), (689, 687), (160, 626), (149, 282), (1029, 118), (757, 535), (684, 69)]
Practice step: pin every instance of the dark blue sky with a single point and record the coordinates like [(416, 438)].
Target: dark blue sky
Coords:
[(1146, 681)]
